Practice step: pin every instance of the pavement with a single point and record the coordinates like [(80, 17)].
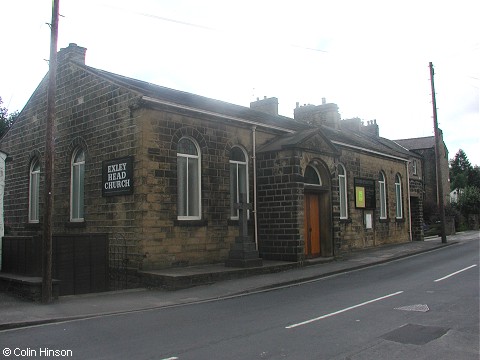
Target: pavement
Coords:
[(16, 312)]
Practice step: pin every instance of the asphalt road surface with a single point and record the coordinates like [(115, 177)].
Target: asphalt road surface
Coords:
[(421, 307)]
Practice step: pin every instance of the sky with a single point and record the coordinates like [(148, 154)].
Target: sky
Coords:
[(370, 57)]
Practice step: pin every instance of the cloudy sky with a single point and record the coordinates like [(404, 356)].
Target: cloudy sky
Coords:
[(369, 57)]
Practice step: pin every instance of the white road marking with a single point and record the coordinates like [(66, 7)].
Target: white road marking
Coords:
[(342, 311), (171, 358), (455, 273)]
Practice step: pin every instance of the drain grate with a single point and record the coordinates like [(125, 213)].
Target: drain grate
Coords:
[(417, 307)]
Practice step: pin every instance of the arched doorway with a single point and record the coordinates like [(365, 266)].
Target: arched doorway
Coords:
[(317, 212)]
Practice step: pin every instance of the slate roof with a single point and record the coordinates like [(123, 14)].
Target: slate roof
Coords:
[(302, 130), (196, 101), (427, 142), (363, 140)]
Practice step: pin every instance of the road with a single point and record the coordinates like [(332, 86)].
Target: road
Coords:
[(421, 307)]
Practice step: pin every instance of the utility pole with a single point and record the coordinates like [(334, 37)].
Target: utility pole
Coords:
[(438, 154), (49, 157)]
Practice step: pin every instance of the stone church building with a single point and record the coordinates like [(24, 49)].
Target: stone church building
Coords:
[(164, 169)]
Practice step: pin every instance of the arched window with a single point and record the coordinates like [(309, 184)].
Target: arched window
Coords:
[(77, 186), (398, 197), (34, 192), (383, 195), (342, 185), (238, 178), (188, 180), (311, 176)]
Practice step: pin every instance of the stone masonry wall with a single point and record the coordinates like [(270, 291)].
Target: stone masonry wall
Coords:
[(92, 114), (352, 232), (280, 198), (167, 241)]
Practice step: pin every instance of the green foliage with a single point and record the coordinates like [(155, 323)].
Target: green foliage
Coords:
[(462, 173), (469, 200), (6, 120)]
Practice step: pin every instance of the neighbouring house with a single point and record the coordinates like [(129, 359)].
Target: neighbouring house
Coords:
[(161, 170), (425, 146)]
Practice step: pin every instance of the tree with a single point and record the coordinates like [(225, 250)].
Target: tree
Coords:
[(469, 200), (6, 120), (461, 171)]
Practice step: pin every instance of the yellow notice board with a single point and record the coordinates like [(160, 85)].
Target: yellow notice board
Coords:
[(364, 193), (359, 197)]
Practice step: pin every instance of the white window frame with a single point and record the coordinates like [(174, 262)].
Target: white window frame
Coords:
[(398, 197), (383, 196), (236, 164), (342, 187), (193, 158), (77, 215), (415, 167), (34, 192)]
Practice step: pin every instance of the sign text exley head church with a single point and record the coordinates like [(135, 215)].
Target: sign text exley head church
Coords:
[(117, 176)]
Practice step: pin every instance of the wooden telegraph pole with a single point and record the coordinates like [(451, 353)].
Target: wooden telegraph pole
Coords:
[(438, 154), (49, 157)]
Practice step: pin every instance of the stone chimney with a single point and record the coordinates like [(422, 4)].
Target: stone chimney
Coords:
[(371, 128), (266, 105), (357, 125), (72, 53), (326, 114), (354, 124)]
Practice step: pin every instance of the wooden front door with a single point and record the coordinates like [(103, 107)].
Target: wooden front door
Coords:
[(312, 225)]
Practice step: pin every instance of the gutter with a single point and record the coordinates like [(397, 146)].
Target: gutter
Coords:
[(370, 151), (408, 200), (254, 160)]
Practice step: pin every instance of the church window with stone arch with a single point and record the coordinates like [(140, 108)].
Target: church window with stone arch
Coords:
[(398, 197), (34, 192), (238, 178), (383, 195), (342, 186), (188, 180), (77, 187)]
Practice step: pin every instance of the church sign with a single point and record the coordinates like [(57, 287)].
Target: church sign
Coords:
[(117, 176), (364, 193)]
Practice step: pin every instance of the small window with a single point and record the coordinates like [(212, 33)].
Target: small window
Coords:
[(398, 197), (311, 176), (188, 180), (238, 178), (414, 164), (383, 196), (34, 193), (77, 191), (342, 185)]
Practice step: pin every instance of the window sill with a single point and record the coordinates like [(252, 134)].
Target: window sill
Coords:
[(185, 223), (383, 221)]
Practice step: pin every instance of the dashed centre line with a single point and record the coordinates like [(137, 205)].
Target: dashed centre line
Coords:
[(342, 310), (455, 273)]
